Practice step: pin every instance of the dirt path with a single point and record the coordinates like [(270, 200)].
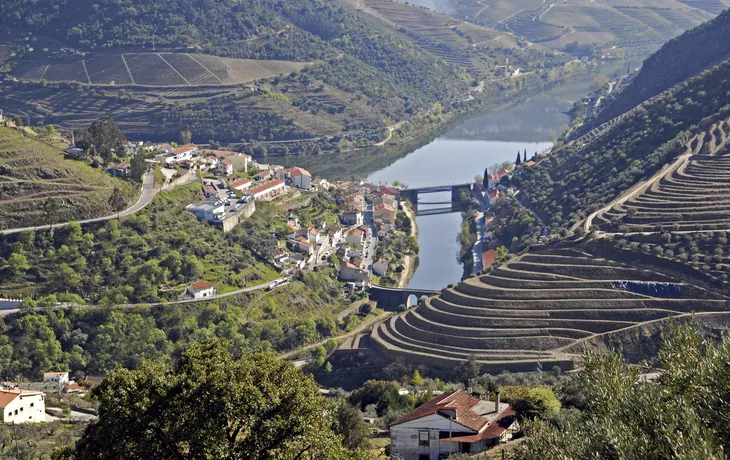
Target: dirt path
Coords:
[(641, 187), (408, 261)]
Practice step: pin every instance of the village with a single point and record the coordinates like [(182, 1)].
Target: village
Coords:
[(233, 183)]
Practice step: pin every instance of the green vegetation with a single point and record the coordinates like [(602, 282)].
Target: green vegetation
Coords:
[(210, 404), (677, 61), (39, 186), (680, 415), (150, 256), (579, 178)]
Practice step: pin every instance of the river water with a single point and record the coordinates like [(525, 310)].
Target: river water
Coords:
[(457, 157), (464, 152)]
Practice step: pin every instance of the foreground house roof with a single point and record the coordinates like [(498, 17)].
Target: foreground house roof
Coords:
[(457, 400)]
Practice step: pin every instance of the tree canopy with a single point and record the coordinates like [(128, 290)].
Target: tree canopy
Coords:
[(212, 405), (683, 414)]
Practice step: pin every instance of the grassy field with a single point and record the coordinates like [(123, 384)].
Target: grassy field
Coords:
[(31, 172), (155, 69)]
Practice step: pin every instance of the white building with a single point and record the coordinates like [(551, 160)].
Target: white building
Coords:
[(60, 378), (454, 422), (267, 190), (199, 290), (185, 152), (301, 177), (241, 184), (223, 167), (350, 272), (22, 406)]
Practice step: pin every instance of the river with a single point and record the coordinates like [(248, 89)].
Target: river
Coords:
[(457, 156)]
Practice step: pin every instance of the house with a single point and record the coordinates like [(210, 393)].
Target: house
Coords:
[(301, 177), (489, 221), (210, 210), (262, 176), (384, 198), (389, 190), (280, 257), (299, 261), (267, 190), (235, 157), (164, 148), (241, 184), (488, 258), (528, 164), (356, 237), (22, 406), (385, 215), (350, 272), (322, 184), (292, 222), (121, 169), (58, 378), (335, 234), (451, 423), (210, 191), (223, 167), (493, 196), (284, 174), (199, 290), (380, 266), (74, 389), (352, 216), (302, 244)]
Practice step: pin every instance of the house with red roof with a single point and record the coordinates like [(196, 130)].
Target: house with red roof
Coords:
[(488, 258), (22, 406), (241, 184), (493, 196), (451, 423), (223, 167), (199, 290), (301, 177)]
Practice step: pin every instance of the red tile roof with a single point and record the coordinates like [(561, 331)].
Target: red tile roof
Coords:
[(529, 163), (459, 400), (184, 148), (494, 430), (488, 258), (389, 190), (266, 186), (200, 285), (384, 206), (240, 182), (297, 171)]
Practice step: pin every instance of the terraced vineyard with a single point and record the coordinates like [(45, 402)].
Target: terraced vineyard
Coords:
[(31, 172), (537, 308), (528, 24), (156, 69), (691, 195)]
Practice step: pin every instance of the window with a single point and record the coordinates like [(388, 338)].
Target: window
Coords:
[(16, 411), (423, 438), (32, 404)]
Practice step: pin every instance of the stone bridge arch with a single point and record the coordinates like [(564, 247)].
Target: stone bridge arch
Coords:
[(389, 298)]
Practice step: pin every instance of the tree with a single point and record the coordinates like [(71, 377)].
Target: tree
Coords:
[(524, 160), (104, 135), (466, 370), (366, 309), (682, 414), (538, 403), (416, 379), (17, 264), (186, 137), (350, 425), (518, 161), (212, 405), (137, 167), (116, 199), (486, 178)]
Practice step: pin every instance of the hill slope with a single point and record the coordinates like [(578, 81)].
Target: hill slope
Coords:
[(31, 172), (679, 59)]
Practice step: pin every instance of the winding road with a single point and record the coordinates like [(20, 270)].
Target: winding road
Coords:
[(148, 193)]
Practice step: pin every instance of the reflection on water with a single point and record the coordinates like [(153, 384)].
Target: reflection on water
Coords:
[(456, 157)]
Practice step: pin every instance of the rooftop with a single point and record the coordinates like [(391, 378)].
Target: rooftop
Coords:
[(7, 396), (470, 410), (200, 285), (267, 185), (297, 171)]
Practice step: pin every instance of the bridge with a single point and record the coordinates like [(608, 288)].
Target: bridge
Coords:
[(390, 298), (456, 203)]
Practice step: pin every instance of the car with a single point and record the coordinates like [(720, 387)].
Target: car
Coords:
[(271, 286)]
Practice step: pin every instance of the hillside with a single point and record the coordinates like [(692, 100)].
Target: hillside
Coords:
[(679, 59), (338, 76), (32, 171)]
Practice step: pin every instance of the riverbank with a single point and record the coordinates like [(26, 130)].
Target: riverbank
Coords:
[(410, 261)]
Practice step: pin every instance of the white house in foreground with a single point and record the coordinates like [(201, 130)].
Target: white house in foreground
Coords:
[(199, 290), (454, 422), (22, 406)]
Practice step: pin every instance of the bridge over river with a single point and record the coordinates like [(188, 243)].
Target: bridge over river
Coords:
[(455, 205)]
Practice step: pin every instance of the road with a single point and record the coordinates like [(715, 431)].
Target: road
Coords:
[(258, 287), (148, 193)]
